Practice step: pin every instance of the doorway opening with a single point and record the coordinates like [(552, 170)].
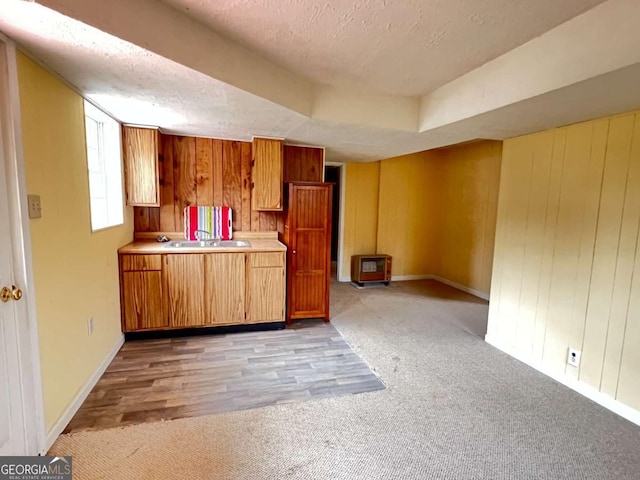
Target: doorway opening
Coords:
[(333, 174)]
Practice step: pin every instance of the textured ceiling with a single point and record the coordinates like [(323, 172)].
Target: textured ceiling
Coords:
[(140, 87), (146, 63), (405, 47)]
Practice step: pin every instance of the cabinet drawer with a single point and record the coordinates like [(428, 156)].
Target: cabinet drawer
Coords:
[(266, 259), (141, 262)]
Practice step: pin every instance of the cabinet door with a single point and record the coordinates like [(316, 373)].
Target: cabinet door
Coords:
[(303, 164), (224, 288), (267, 174), (265, 287), (309, 250), (184, 282), (142, 301), (140, 152)]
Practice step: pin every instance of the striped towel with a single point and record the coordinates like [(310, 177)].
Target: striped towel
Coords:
[(216, 220)]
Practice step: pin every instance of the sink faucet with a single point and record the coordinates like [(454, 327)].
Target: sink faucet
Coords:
[(202, 234), (205, 235)]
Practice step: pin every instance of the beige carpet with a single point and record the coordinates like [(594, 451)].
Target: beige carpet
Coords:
[(455, 408)]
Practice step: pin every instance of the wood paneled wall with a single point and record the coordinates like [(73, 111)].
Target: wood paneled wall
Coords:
[(567, 257), (469, 179), (205, 171), (408, 212), (433, 211), (360, 236)]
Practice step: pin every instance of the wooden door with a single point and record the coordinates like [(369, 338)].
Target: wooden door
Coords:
[(224, 288), (184, 286), (142, 301), (267, 174), (309, 218), (265, 287)]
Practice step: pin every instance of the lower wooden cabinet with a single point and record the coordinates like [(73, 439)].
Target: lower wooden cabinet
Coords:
[(265, 287), (142, 306), (224, 283), (199, 290), (184, 287)]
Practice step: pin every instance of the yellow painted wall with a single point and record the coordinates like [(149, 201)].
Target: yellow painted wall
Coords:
[(76, 271), (468, 182), (361, 212), (435, 212), (408, 209), (567, 264)]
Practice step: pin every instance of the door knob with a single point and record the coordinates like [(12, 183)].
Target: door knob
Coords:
[(16, 293), (6, 294)]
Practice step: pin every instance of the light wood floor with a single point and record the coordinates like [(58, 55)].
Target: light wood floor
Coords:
[(152, 380)]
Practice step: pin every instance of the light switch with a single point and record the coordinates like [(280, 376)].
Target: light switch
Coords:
[(35, 210)]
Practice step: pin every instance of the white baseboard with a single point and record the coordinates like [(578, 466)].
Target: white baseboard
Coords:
[(472, 291), (403, 278), (64, 420), (394, 278), (429, 276), (582, 388)]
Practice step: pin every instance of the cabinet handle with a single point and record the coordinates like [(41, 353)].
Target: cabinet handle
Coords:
[(293, 251)]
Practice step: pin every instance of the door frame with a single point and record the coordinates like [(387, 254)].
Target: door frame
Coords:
[(27, 325), (342, 170)]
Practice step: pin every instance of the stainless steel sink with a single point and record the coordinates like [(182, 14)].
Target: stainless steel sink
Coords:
[(233, 243), (178, 244)]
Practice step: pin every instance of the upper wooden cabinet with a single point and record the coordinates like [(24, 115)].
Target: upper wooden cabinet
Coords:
[(140, 152), (303, 164), (267, 174)]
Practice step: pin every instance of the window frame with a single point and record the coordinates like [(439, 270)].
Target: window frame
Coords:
[(109, 146)]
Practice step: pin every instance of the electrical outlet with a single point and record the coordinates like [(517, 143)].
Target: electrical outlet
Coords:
[(573, 358), (90, 325)]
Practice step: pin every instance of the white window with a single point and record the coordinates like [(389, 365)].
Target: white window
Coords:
[(104, 161)]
